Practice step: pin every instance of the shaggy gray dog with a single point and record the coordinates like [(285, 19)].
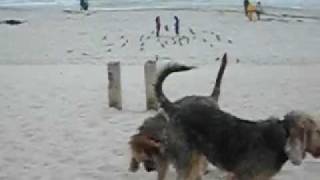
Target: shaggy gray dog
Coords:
[(248, 150), (157, 144)]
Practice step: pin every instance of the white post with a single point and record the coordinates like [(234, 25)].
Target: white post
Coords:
[(114, 87), (150, 78)]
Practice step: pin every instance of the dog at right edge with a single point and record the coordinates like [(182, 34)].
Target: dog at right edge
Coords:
[(245, 149)]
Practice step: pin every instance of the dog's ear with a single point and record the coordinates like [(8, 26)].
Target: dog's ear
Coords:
[(143, 146), (296, 144), (143, 141), (312, 126), (299, 131)]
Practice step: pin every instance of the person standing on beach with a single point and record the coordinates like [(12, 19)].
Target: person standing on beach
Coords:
[(177, 25), (259, 10), (158, 26), (246, 4), (84, 5)]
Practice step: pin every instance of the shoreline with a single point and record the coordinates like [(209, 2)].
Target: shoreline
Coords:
[(289, 12), (204, 7)]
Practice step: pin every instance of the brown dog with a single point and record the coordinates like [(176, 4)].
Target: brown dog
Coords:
[(146, 148)]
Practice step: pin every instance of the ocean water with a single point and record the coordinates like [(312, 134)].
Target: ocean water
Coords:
[(162, 3)]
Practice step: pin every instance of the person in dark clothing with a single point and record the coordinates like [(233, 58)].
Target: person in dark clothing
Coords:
[(177, 25), (158, 26), (84, 5), (246, 4), (259, 10)]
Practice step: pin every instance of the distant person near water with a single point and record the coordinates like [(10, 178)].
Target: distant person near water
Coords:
[(246, 4), (158, 26), (84, 5), (177, 25), (251, 11), (259, 10)]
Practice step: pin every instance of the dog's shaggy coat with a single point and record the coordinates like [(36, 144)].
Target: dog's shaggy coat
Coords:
[(246, 149), (157, 144)]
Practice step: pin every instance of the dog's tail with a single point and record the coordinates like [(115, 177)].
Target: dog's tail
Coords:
[(169, 68), (216, 90)]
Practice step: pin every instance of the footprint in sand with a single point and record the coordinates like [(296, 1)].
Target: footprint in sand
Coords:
[(204, 40), (229, 41), (194, 37), (162, 45), (123, 45), (141, 37), (148, 37), (70, 51), (166, 42), (211, 45), (83, 33), (218, 37), (109, 50), (104, 168), (212, 33), (142, 46), (110, 44), (152, 32), (283, 20), (204, 31), (118, 153), (122, 37), (105, 37), (191, 31), (185, 38)]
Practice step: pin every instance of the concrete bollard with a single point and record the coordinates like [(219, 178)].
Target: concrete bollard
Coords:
[(150, 72), (114, 86)]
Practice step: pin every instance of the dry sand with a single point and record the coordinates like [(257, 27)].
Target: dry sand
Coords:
[(55, 121)]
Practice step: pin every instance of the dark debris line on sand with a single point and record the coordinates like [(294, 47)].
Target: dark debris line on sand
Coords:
[(12, 22)]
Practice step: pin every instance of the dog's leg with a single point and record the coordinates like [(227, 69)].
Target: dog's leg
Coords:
[(194, 169), (204, 165), (231, 176), (181, 174), (162, 169), (134, 165)]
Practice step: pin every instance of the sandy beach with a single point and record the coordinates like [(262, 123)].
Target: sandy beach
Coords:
[(55, 121), (51, 36)]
